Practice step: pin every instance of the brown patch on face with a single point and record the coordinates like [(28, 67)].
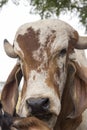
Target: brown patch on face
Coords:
[(73, 40), (29, 42), (49, 40)]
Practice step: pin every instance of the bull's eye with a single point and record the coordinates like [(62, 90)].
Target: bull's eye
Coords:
[(62, 52)]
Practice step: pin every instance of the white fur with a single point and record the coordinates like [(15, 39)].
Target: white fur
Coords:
[(38, 88), (62, 70)]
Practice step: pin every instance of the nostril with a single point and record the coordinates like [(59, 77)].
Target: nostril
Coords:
[(38, 105), (45, 103)]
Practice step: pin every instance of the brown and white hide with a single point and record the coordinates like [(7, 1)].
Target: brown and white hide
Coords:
[(54, 68)]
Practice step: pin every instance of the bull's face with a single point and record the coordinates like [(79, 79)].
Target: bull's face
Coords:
[(43, 69), (42, 49)]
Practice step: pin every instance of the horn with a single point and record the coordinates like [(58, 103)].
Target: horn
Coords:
[(9, 49), (82, 43)]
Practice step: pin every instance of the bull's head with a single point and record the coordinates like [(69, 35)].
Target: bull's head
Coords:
[(44, 50)]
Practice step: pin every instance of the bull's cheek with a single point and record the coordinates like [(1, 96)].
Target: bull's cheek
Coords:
[(55, 104)]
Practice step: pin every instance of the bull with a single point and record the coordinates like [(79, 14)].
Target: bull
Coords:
[(53, 65)]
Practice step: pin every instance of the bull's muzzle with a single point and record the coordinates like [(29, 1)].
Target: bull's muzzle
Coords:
[(38, 105)]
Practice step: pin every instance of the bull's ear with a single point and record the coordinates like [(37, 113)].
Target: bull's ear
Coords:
[(78, 91), (9, 94), (69, 108)]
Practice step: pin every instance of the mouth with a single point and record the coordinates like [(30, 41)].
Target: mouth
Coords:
[(44, 117), (49, 118)]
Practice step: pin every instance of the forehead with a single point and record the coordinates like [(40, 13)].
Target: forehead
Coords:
[(42, 38)]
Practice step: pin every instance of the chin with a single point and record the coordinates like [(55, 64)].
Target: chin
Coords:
[(49, 118)]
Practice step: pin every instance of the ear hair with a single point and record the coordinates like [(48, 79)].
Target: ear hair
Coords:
[(9, 95)]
